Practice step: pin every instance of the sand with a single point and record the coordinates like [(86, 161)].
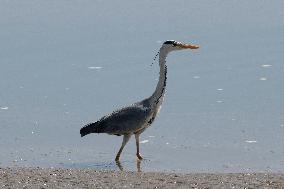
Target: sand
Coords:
[(89, 178)]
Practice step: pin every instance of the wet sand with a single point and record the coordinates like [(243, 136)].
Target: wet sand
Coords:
[(89, 178)]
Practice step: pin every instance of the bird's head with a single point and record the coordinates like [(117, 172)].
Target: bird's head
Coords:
[(172, 45)]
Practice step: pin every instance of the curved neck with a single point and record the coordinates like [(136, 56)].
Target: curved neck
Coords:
[(158, 94)]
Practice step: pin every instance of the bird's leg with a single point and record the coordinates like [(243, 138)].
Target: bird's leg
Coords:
[(137, 147), (125, 140)]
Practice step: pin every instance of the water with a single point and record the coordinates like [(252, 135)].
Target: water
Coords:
[(67, 63)]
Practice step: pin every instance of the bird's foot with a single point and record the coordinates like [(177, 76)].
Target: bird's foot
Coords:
[(119, 165), (139, 156)]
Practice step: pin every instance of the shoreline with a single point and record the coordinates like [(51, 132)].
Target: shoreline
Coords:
[(19, 177)]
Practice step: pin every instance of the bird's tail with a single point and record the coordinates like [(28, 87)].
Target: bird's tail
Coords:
[(90, 128)]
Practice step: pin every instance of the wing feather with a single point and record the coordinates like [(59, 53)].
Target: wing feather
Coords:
[(125, 120)]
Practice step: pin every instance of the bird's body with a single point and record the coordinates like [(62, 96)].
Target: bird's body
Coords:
[(135, 118), (123, 121)]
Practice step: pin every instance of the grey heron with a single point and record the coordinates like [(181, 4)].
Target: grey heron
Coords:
[(134, 119)]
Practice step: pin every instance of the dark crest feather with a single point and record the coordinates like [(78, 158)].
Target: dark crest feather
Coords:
[(170, 42)]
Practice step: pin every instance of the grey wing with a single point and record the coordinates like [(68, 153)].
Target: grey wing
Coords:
[(124, 121)]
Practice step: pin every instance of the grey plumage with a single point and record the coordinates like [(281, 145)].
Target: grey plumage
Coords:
[(135, 118), (123, 121)]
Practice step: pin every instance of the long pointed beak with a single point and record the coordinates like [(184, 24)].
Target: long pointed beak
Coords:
[(188, 46)]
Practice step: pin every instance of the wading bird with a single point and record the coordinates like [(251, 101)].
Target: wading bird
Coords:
[(135, 118)]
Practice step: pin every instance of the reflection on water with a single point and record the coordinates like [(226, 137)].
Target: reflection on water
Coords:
[(113, 165), (138, 165)]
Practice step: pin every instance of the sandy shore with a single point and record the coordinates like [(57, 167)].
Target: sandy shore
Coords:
[(90, 178)]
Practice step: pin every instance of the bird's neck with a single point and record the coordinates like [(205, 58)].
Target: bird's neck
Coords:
[(157, 97)]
